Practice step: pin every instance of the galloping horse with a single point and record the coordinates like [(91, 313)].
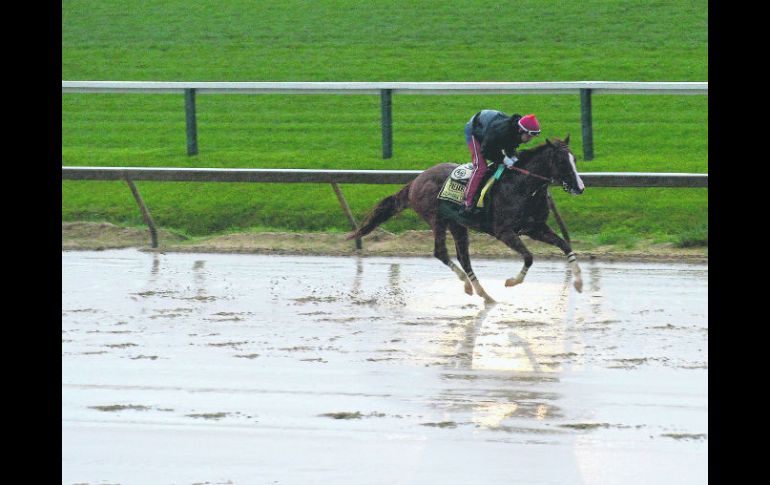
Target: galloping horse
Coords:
[(518, 206)]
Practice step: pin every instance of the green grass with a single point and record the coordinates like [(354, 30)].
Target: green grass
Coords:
[(377, 41)]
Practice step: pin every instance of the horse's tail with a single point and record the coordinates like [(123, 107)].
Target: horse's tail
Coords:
[(387, 208)]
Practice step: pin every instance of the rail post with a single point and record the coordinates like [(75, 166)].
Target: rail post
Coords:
[(346, 208), (586, 123), (192, 127), (386, 107), (145, 212)]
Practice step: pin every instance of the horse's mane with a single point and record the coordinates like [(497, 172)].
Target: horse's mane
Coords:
[(538, 150)]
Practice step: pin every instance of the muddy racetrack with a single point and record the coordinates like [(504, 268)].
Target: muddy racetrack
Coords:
[(227, 368)]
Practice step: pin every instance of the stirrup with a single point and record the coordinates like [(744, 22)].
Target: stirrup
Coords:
[(469, 210)]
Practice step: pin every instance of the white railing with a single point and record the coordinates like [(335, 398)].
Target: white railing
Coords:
[(216, 87), (386, 89)]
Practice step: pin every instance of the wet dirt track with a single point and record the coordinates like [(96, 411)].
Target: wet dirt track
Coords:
[(217, 368)]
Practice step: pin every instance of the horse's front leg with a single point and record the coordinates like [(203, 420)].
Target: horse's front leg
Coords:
[(513, 241), (440, 252), (541, 232), (460, 235)]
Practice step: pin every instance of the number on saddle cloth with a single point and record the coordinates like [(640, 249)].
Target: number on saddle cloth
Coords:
[(462, 173)]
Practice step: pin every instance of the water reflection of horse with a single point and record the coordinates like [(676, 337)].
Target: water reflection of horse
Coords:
[(518, 206)]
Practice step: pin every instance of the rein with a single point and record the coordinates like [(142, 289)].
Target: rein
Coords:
[(527, 172)]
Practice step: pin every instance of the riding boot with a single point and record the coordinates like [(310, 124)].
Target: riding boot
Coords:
[(472, 188)]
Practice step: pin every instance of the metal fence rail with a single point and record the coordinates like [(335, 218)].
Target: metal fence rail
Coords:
[(566, 87), (335, 177), (173, 174), (386, 90)]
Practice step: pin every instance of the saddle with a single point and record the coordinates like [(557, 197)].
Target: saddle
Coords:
[(455, 185), (452, 195)]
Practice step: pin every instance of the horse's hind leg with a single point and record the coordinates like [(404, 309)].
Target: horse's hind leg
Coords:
[(440, 252), (542, 232), (460, 235), (513, 241)]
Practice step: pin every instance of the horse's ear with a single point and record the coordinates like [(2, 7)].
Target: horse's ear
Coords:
[(548, 142), (566, 140)]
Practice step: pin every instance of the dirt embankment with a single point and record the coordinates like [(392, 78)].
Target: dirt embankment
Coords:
[(97, 236)]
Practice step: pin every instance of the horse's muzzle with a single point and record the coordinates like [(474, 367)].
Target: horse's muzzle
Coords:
[(573, 190)]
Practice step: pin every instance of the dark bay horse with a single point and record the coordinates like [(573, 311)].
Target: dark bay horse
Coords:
[(518, 207)]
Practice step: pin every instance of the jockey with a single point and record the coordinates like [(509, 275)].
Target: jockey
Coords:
[(492, 135)]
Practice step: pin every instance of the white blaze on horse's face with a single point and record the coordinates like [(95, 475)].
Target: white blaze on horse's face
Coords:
[(580, 185)]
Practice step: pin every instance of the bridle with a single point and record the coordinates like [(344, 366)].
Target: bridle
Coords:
[(538, 176)]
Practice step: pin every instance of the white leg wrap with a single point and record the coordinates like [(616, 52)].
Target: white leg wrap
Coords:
[(463, 277), (572, 262), (518, 279), (522, 273), (458, 271)]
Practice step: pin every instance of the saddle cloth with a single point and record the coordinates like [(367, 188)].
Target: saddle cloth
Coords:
[(455, 185)]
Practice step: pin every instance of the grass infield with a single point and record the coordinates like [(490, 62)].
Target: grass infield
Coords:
[(332, 40)]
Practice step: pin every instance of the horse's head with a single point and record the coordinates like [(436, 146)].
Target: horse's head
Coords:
[(563, 167)]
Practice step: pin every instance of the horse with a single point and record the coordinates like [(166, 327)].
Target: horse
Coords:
[(518, 206)]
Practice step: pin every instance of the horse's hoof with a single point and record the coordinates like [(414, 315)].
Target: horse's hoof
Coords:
[(579, 286), (512, 282), (488, 300)]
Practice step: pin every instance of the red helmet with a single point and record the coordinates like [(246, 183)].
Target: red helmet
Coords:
[(529, 124)]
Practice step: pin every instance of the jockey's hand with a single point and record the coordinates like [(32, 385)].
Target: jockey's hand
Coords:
[(510, 161)]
